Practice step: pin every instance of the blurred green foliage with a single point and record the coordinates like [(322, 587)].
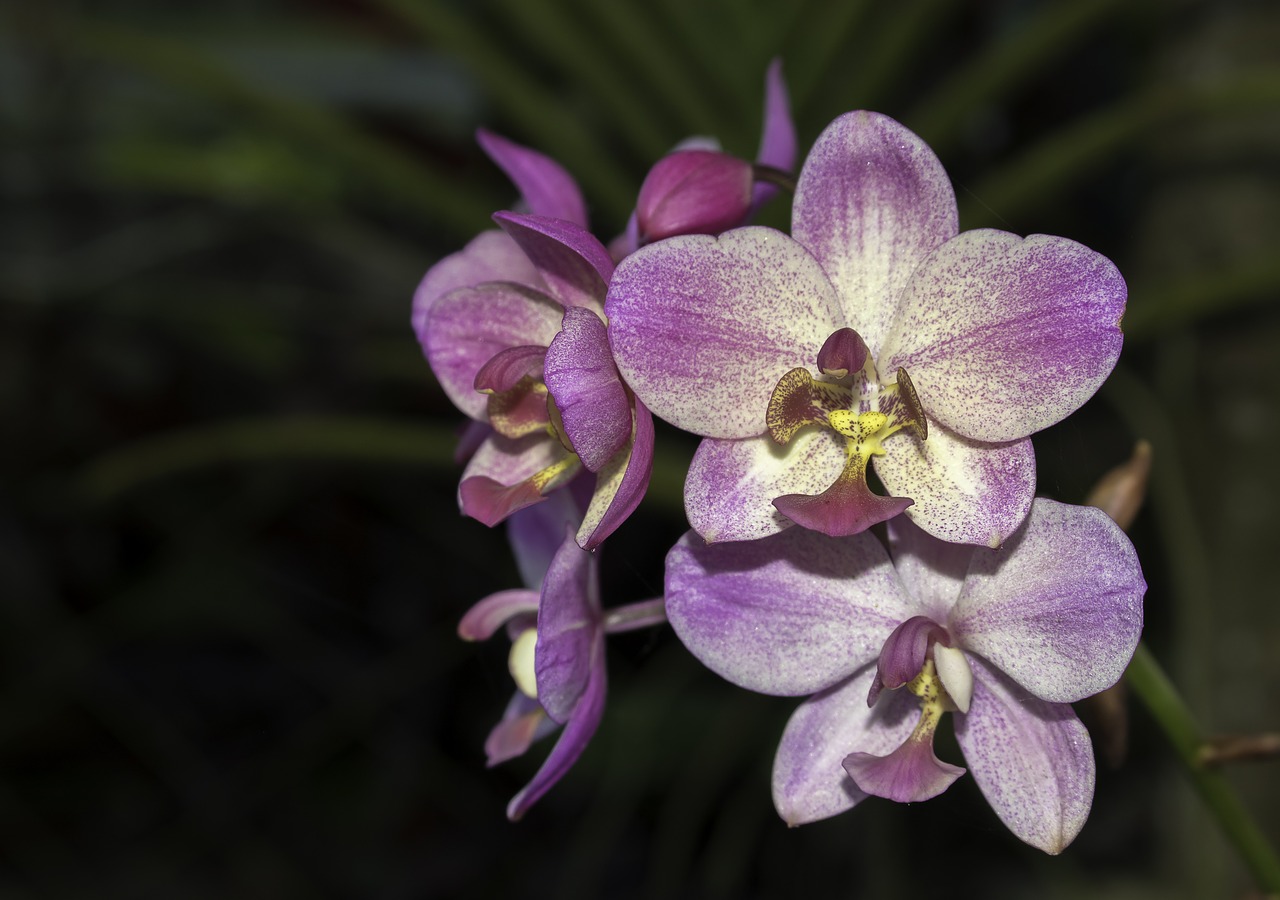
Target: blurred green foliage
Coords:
[(232, 560)]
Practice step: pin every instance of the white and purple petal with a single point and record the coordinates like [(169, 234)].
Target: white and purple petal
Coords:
[(932, 570), (468, 327), (546, 188), (964, 491), (1004, 336), (702, 328), (871, 203), (594, 407), (789, 614), (490, 256), (731, 485), (809, 780), (502, 477), (1032, 760), (1058, 608)]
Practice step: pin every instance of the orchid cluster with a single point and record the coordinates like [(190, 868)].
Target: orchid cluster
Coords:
[(864, 526)]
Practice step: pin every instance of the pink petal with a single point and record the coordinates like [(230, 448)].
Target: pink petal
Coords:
[(574, 265), (570, 629), (909, 773), (491, 256), (487, 616), (594, 407), (547, 189)]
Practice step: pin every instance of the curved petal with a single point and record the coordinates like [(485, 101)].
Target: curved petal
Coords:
[(573, 740), (911, 772), (491, 256), (593, 403), (570, 630), (789, 614), (964, 491), (468, 327), (522, 723), (1004, 336), (1058, 608), (620, 485), (1032, 760), (545, 186), (509, 474), (574, 265), (488, 615), (809, 780), (731, 485), (778, 145), (872, 202), (932, 570), (702, 328)]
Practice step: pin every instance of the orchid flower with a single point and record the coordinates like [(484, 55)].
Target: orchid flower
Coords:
[(937, 354), (534, 362), (557, 630), (1003, 639)]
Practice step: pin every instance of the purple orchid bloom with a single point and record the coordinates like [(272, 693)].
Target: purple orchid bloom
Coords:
[(1004, 639), (557, 630), (1002, 336)]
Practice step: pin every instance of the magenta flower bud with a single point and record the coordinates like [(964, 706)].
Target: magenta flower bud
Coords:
[(694, 192)]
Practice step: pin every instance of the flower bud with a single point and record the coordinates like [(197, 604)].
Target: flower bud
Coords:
[(694, 192)]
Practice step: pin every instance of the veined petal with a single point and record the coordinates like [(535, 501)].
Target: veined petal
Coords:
[(964, 491), (1058, 608), (1032, 760), (570, 630), (809, 782), (778, 135), (488, 615), (1004, 336), (469, 326), (872, 202), (932, 570), (731, 485), (573, 740), (491, 256), (702, 328), (593, 403), (545, 186), (509, 474), (574, 265), (620, 485), (523, 722), (789, 614)]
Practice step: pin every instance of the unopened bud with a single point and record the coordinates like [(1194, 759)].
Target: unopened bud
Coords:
[(694, 192)]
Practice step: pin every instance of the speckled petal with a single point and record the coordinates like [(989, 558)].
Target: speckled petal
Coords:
[(702, 328), (789, 614), (872, 202), (932, 570), (593, 403), (1058, 608), (809, 780), (545, 186), (574, 265), (573, 740), (964, 491), (1004, 336), (570, 630), (620, 485), (731, 485), (491, 256), (1032, 760), (468, 327)]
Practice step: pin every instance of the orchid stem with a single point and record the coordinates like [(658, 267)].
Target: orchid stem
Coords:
[(1161, 698)]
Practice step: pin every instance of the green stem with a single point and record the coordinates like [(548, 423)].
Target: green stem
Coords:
[(1161, 698)]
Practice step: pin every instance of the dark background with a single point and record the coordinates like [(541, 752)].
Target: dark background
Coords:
[(232, 560)]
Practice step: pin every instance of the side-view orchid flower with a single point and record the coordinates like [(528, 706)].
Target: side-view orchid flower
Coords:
[(557, 630), (875, 333), (533, 361), (887, 642)]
